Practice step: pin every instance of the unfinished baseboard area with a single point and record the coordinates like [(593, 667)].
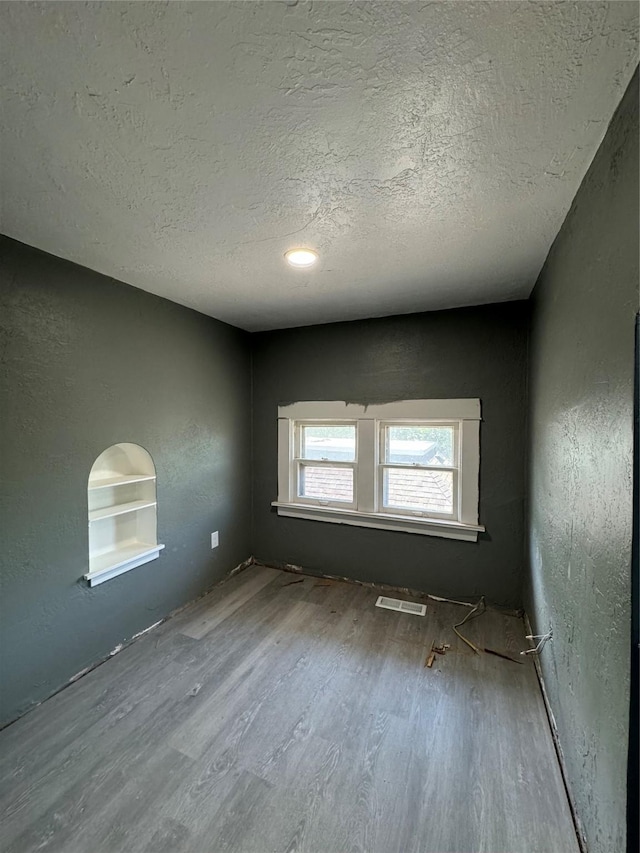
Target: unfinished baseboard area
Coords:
[(580, 834), (127, 642), (382, 587)]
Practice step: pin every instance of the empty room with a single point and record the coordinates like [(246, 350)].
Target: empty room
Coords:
[(318, 427)]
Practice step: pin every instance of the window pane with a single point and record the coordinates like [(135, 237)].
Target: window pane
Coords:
[(331, 443), (330, 484), (419, 491), (422, 445)]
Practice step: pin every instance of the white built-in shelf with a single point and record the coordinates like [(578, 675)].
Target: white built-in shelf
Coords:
[(119, 509), (121, 495), (124, 480), (120, 560)]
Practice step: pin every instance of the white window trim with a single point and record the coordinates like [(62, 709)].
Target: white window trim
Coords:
[(465, 413)]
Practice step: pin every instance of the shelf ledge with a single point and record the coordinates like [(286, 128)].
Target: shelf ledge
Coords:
[(125, 479), (119, 509), (117, 562)]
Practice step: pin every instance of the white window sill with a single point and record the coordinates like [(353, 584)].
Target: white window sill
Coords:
[(382, 521)]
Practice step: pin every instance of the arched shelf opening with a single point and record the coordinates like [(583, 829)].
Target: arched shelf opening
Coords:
[(121, 496)]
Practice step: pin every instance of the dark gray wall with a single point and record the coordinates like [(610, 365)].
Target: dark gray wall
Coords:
[(474, 352), (580, 502), (88, 362)]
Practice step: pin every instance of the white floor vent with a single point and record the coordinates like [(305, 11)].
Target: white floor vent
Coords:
[(402, 606)]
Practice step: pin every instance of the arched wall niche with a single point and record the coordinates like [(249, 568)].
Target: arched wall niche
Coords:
[(121, 497)]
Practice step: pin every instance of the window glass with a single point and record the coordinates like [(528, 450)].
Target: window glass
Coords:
[(419, 445), (418, 490), (328, 442), (326, 483)]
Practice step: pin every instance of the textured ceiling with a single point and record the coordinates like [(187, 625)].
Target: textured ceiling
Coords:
[(428, 151)]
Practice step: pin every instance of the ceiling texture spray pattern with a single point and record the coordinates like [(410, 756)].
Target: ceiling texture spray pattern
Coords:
[(428, 151)]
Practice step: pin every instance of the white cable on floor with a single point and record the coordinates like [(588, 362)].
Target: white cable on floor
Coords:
[(471, 615)]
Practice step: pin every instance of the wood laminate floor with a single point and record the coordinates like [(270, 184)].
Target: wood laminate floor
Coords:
[(280, 716)]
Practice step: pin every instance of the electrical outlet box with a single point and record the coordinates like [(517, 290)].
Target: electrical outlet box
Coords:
[(214, 540)]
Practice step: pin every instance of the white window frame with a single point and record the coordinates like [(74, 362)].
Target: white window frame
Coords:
[(455, 515), (299, 462), (367, 509)]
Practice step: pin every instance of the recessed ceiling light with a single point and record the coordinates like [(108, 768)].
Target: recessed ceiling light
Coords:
[(301, 257)]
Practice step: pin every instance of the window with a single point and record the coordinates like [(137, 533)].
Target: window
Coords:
[(325, 462), (411, 466), (418, 472)]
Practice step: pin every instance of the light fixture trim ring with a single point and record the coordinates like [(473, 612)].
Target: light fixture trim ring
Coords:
[(301, 257)]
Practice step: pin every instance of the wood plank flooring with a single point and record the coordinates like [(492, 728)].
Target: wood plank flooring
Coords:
[(273, 717)]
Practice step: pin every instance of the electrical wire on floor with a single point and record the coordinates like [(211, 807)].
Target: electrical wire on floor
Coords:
[(478, 610), (542, 641)]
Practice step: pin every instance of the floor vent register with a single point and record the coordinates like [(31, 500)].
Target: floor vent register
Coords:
[(401, 606)]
